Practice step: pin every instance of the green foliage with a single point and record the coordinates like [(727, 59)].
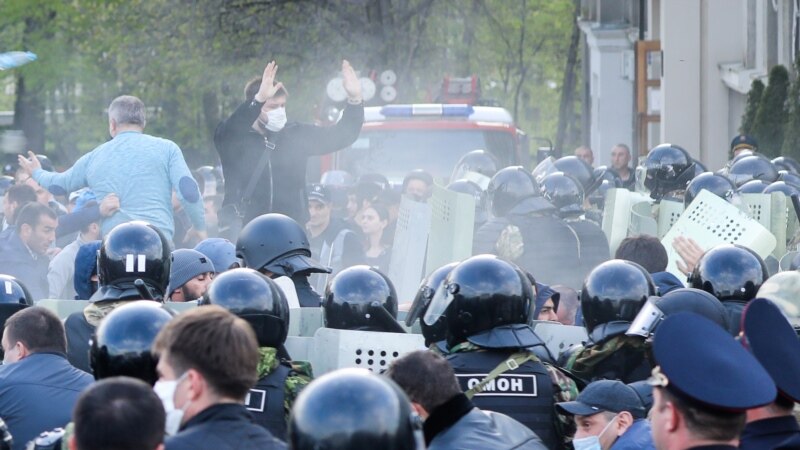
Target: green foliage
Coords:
[(791, 139), (188, 60), (753, 100), (772, 115)]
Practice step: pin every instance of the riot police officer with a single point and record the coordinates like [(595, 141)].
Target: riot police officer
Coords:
[(716, 184), (670, 168), (14, 296), (478, 166), (433, 334), (133, 264), (372, 413), (612, 296), (468, 187), (526, 230), (277, 246), (752, 167), (258, 300), (733, 274), (486, 303), (361, 298)]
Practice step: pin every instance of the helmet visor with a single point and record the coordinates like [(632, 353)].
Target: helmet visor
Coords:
[(545, 168), (420, 304), (441, 300), (646, 321)]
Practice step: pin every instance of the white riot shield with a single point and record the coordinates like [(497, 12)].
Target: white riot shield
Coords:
[(62, 308), (642, 220), (299, 348), (786, 261), (617, 214), (407, 265), (304, 321), (772, 211), (558, 337), (452, 228), (287, 286), (711, 221), (337, 349), (668, 213)]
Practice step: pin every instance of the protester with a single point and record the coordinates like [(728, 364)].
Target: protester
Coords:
[(142, 170), (25, 250), (190, 274), (373, 221)]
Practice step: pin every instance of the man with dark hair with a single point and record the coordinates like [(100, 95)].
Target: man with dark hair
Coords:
[(648, 252), (203, 391), (24, 251), (189, 275), (261, 153), (16, 197), (451, 420), (38, 386), (417, 185), (119, 413), (568, 304)]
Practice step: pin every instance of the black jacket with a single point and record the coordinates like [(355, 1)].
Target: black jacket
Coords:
[(240, 148), (768, 433), (222, 427)]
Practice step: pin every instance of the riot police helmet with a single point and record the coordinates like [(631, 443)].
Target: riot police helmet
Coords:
[(684, 299), (472, 188), (787, 163), (208, 181), (716, 184), (669, 168), (729, 272), (371, 413), (508, 187), (782, 187), (614, 291), (580, 170), (753, 187), (699, 168), (752, 167), (360, 298), (256, 299), (487, 301), (783, 289), (564, 192), (789, 178), (14, 297), (121, 344), (277, 244), (337, 179), (427, 289), (129, 252), (477, 163)]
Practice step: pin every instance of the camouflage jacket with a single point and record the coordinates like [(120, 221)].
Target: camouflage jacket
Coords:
[(299, 377), (565, 389), (620, 357)]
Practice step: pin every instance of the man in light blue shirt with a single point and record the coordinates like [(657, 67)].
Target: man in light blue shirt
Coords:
[(142, 170)]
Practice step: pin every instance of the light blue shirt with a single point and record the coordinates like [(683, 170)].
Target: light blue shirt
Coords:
[(142, 170)]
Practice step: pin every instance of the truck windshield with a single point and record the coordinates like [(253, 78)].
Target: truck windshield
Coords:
[(394, 153)]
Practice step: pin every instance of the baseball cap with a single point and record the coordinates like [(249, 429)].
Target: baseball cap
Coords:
[(320, 193), (743, 141), (604, 395)]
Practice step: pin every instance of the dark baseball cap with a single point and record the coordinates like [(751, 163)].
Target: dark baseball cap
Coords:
[(320, 193), (604, 395), (743, 141)]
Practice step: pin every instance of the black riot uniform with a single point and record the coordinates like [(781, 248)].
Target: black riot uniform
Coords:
[(133, 264), (733, 274), (611, 298), (276, 245), (526, 230), (486, 302), (258, 300)]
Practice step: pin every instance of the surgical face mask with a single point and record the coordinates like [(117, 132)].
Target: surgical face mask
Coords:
[(591, 442), (276, 119), (11, 356), (165, 390)]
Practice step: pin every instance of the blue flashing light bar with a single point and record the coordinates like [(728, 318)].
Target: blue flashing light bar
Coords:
[(427, 110)]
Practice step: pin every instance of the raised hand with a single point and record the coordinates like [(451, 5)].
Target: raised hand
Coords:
[(351, 82), (268, 87), (29, 165)]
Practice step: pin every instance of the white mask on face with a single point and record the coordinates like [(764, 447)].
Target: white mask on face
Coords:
[(8, 358), (165, 390), (276, 119), (591, 442)]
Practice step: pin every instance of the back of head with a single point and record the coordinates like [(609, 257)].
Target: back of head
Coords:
[(256, 299), (127, 110), (229, 353), (614, 291), (121, 345), (119, 414), (38, 328), (480, 294), (133, 251), (564, 192), (508, 187), (580, 170), (425, 377), (669, 168), (371, 413), (353, 297), (275, 243), (21, 194), (730, 273), (647, 251)]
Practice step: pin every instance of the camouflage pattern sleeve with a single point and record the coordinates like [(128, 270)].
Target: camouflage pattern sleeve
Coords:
[(69, 430), (564, 390), (298, 379)]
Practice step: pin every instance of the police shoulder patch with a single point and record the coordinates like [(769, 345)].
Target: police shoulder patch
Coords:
[(505, 385)]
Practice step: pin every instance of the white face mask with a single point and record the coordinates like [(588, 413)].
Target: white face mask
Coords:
[(8, 358), (165, 390), (591, 442), (276, 119)]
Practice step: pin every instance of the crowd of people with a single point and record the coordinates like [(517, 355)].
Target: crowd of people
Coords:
[(190, 278)]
